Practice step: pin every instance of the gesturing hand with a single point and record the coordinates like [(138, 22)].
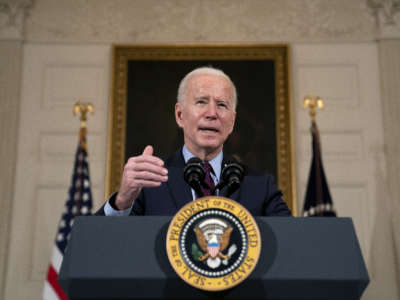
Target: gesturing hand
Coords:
[(140, 171)]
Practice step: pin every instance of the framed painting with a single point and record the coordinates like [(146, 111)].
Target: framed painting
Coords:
[(144, 92)]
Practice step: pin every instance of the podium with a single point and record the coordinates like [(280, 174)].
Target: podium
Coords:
[(125, 258)]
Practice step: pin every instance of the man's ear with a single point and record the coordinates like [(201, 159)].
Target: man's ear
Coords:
[(178, 114)]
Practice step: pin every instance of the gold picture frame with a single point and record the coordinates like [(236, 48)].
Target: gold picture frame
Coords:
[(276, 55)]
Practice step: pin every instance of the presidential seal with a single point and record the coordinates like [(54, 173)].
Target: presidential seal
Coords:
[(213, 243)]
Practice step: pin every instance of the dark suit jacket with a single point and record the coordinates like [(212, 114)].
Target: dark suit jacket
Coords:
[(258, 193)]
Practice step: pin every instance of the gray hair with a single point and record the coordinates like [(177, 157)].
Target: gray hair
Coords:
[(204, 71)]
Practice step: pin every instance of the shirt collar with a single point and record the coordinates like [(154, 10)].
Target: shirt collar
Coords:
[(215, 163)]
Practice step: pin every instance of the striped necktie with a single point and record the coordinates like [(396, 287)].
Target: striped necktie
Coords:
[(208, 180)]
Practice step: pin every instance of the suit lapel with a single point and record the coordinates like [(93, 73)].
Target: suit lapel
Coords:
[(179, 189)]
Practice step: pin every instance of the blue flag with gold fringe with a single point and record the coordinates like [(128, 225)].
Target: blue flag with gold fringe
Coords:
[(318, 200)]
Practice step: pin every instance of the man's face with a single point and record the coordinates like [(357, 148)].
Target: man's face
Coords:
[(207, 116)]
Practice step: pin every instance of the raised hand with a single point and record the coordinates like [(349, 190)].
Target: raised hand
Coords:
[(140, 171)]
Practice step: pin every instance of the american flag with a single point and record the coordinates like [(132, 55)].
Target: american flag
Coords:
[(79, 203)]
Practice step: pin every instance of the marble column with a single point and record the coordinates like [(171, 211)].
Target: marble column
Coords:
[(389, 58), (385, 264), (12, 14)]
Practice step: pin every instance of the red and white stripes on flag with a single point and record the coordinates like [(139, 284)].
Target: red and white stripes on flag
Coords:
[(79, 203), (52, 290)]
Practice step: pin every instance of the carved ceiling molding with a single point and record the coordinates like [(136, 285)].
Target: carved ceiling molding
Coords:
[(12, 17), (387, 17)]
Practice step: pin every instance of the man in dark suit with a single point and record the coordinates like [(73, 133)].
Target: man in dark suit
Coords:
[(206, 111)]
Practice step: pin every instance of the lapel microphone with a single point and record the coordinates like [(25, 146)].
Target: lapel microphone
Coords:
[(194, 175)]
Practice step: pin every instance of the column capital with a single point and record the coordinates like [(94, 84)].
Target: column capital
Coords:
[(387, 17), (12, 17)]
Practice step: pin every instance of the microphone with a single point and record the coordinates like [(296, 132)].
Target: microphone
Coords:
[(194, 175), (232, 175)]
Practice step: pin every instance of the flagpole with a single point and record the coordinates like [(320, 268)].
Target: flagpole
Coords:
[(318, 200), (78, 203), (312, 103), (83, 108)]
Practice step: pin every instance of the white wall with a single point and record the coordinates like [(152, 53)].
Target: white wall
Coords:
[(54, 77), (67, 55), (346, 76)]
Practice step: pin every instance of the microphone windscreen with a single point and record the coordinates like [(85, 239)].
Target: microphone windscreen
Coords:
[(232, 170), (194, 174)]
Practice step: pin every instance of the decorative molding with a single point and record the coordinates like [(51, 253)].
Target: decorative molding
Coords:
[(12, 17), (387, 17), (339, 146), (200, 21), (63, 82), (337, 82), (389, 56), (59, 146)]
